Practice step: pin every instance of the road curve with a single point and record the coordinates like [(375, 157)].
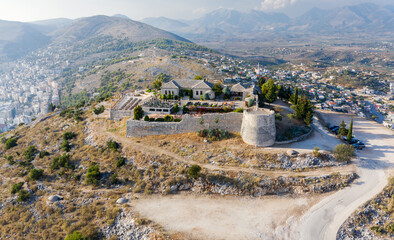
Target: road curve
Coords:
[(324, 219)]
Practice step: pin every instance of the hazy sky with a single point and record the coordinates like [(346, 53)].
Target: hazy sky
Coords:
[(29, 10)]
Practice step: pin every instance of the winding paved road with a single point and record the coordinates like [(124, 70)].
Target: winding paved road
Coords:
[(324, 219)]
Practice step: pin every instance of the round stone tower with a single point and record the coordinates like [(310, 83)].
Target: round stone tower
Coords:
[(258, 127)]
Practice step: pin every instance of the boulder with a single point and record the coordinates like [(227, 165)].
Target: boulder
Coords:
[(291, 152), (121, 201), (54, 198)]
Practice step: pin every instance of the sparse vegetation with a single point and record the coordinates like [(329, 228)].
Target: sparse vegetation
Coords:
[(36, 174), (194, 171), (93, 174), (99, 110), (343, 152)]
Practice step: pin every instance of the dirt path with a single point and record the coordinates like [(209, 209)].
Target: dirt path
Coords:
[(323, 220)]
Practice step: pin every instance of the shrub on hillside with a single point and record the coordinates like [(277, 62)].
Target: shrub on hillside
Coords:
[(112, 145), (36, 174), (75, 236), (120, 161), (69, 135), (16, 187), (214, 134), (29, 153), (99, 110), (93, 174), (194, 171), (10, 143), (61, 161), (343, 152), (23, 195), (43, 154)]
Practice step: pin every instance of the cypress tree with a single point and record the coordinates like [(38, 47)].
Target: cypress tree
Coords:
[(350, 132)]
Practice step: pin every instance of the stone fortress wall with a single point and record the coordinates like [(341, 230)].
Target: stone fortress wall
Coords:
[(257, 127), (228, 121)]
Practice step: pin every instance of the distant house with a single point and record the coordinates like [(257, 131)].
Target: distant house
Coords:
[(198, 87), (244, 90)]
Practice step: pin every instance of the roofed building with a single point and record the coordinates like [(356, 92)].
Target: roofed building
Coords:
[(243, 90), (198, 87)]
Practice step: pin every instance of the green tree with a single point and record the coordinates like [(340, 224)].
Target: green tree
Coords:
[(303, 110), (202, 121), (350, 132), (176, 108), (342, 129), (194, 171), (138, 112), (269, 91), (218, 89), (198, 77), (343, 152), (226, 92), (261, 81), (294, 98)]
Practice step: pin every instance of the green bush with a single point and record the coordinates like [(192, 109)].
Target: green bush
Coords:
[(343, 152), (239, 110), (43, 154), (278, 116), (177, 120), (10, 143), (75, 236), (176, 108), (69, 135), (112, 145), (61, 161), (16, 187), (36, 174), (93, 174), (146, 119), (214, 134), (194, 171), (66, 146), (10, 160), (29, 153), (120, 161), (168, 118), (99, 110), (23, 195), (138, 113)]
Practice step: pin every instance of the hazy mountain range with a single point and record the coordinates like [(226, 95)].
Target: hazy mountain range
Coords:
[(365, 18), (18, 39)]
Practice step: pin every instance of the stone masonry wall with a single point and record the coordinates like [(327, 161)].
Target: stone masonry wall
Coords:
[(258, 127), (229, 121), (120, 114)]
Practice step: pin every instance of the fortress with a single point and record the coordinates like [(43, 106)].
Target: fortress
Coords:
[(257, 126)]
